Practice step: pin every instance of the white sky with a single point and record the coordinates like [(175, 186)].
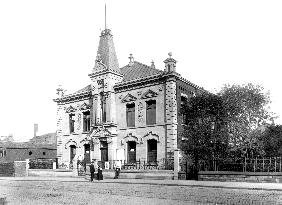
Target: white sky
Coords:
[(47, 43)]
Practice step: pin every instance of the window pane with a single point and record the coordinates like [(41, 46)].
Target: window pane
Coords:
[(151, 112), (130, 115)]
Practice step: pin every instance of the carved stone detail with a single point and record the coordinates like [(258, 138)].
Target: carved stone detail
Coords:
[(140, 112), (84, 107), (150, 136), (128, 98), (149, 94), (78, 121), (70, 109), (70, 142)]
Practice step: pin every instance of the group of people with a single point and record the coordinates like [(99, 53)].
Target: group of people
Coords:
[(117, 167), (92, 172)]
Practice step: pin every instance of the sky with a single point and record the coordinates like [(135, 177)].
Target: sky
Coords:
[(44, 44)]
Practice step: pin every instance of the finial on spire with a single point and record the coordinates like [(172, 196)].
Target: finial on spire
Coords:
[(105, 16), (170, 54)]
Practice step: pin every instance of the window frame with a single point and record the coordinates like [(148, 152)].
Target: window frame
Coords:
[(130, 114), (151, 120), (86, 120)]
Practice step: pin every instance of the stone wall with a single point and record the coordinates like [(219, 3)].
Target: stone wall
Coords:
[(20, 168), (241, 176)]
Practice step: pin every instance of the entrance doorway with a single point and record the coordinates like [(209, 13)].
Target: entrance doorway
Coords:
[(104, 150), (131, 151), (87, 153), (72, 153), (152, 150)]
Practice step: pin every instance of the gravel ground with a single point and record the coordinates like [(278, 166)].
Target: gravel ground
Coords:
[(103, 192)]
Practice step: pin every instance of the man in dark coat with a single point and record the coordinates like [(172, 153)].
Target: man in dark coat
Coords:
[(92, 170)]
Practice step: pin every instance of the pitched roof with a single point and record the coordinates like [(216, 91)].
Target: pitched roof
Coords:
[(130, 72), (27, 145), (138, 70), (85, 89)]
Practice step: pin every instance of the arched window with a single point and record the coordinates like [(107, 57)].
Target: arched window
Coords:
[(72, 152)]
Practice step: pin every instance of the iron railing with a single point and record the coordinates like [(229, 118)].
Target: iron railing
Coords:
[(266, 164)]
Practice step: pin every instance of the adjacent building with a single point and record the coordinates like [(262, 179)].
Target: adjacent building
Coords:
[(126, 113)]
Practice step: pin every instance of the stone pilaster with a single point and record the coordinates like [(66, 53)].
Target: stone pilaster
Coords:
[(171, 115)]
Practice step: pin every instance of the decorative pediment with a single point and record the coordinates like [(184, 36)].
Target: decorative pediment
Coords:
[(70, 142), (84, 107), (150, 136), (149, 94), (70, 109), (101, 132), (128, 98), (85, 141), (129, 137)]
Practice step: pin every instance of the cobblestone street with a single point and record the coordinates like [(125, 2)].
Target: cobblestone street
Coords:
[(118, 192)]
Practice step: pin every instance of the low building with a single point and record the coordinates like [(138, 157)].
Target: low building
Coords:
[(17, 151)]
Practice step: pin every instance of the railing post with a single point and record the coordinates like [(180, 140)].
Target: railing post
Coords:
[(176, 163)]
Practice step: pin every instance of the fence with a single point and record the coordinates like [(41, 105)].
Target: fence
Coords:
[(41, 163), (268, 164), (164, 164)]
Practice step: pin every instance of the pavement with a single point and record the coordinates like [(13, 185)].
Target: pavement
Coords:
[(191, 183)]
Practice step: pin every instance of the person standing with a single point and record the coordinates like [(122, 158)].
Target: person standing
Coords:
[(100, 173), (92, 170)]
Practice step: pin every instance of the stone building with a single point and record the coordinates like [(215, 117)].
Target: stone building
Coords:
[(125, 113)]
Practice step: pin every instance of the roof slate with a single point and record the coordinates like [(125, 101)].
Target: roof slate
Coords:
[(27, 145), (137, 71)]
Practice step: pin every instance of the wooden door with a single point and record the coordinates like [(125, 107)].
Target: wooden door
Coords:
[(87, 153), (152, 150), (104, 151), (131, 150)]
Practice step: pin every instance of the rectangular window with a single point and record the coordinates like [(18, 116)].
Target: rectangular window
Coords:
[(183, 103), (151, 112), (86, 121), (71, 121), (103, 106), (130, 115), (2, 152)]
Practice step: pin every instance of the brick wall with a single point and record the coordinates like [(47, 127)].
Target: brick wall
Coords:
[(7, 169)]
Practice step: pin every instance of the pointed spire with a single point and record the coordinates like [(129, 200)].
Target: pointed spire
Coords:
[(106, 54), (105, 17)]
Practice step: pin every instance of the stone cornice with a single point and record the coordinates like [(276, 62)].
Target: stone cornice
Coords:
[(191, 84), (74, 97), (133, 84), (103, 72)]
